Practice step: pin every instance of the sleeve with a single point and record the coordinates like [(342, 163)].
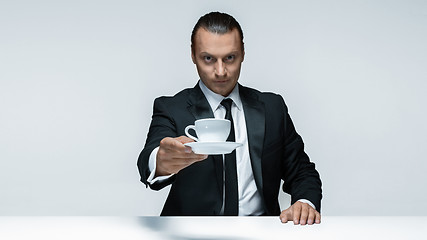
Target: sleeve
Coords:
[(162, 125), (308, 202), (301, 179), (152, 167)]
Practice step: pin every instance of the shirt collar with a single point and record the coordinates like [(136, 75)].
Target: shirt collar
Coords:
[(215, 99)]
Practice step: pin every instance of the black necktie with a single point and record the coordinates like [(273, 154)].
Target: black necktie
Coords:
[(231, 207)]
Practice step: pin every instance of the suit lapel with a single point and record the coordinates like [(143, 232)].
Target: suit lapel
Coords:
[(255, 127), (198, 105), (200, 108)]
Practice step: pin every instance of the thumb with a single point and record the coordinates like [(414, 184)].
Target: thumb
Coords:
[(184, 139), (286, 215)]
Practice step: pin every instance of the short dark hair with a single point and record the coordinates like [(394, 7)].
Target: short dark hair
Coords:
[(217, 22)]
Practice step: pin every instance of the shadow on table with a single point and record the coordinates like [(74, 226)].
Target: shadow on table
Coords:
[(170, 228)]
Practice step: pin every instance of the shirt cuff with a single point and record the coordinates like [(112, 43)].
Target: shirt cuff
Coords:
[(308, 202), (152, 167)]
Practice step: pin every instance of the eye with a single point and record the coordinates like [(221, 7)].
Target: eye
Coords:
[(230, 58), (208, 59)]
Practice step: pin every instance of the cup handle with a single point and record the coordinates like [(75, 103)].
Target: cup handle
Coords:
[(188, 134)]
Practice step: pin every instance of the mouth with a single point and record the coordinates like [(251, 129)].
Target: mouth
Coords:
[(221, 81)]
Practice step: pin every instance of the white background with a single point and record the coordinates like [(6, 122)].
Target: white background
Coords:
[(78, 79)]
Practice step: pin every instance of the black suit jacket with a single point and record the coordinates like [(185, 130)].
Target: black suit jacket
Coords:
[(276, 152)]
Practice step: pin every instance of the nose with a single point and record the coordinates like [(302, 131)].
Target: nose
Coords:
[(220, 69)]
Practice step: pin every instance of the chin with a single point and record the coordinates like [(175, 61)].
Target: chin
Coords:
[(223, 88), (224, 92)]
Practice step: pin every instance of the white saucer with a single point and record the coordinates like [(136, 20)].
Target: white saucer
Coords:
[(213, 147)]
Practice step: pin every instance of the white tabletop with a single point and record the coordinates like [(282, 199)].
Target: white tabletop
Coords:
[(210, 228)]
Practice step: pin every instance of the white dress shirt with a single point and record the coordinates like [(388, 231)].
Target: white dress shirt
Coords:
[(249, 197)]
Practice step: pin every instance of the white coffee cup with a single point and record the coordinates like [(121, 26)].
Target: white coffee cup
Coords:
[(209, 130)]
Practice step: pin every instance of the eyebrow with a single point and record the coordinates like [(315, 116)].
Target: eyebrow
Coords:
[(228, 54)]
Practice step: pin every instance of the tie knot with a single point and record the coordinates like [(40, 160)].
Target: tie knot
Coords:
[(227, 103)]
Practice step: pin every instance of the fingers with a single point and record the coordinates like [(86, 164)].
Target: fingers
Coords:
[(297, 207), (172, 144), (184, 139), (311, 216), (308, 214), (300, 213), (173, 156), (175, 148), (286, 215), (318, 218)]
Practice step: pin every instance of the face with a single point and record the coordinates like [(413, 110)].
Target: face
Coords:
[(218, 59)]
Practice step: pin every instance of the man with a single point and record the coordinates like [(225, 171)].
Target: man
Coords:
[(272, 150)]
